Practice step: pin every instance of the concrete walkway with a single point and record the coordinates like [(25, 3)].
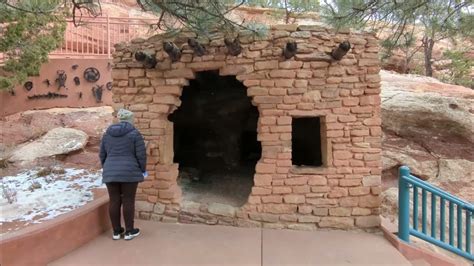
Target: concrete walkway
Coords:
[(177, 244)]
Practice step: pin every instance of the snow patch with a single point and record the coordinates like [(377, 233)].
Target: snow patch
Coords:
[(43, 198)]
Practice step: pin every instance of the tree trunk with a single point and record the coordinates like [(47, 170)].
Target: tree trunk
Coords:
[(428, 44), (405, 66), (408, 59), (406, 62)]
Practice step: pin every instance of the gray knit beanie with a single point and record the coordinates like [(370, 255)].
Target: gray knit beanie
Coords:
[(125, 116)]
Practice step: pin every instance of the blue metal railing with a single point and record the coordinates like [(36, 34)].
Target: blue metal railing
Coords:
[(459, 243)]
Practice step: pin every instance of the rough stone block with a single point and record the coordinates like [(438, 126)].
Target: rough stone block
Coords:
[(321, 211), (336, 71), (349, 183), (120, 74), (315, 56), (317, 181), (282, 74), (272, 199), (284, 83), (144, 215), (167, 99), (278, 91), (144, 98), (337, 222), (368, 221), (369, 201), (294, 199), (360, 211), (333, 80), (174, 90), (262, 65), (302, 227), (373, 180), (341, 211), (159, 208), (279, 208), (251, 82), (362, 110), (268, 120), (138, 107), (369, 62), (304, 74), (263, 168), (321, 202), (375, 121), (261, 191), (372, 78), (291, 64), (350, 101), (158, 108), (302, 180), (142, 82), (156, 217), (203, 66), (305, 209), (309, 219), (270, 218), (221, 209), (143, 206), (137, 72), (262, 180), (289, 218), (342, 155), (376, 190), (268, 99), (337, 192), (301, 189), (257, 91), (281, 190)]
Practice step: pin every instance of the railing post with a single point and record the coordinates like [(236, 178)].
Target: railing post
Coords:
[(468, 231), (403, 205), (108, 37)]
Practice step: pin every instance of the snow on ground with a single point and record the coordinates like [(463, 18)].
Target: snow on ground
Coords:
[(36, 198)]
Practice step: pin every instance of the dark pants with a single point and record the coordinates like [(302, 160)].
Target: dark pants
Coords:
[(122, 194)]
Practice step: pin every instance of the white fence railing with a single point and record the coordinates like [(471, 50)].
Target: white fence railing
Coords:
[(97, 36)]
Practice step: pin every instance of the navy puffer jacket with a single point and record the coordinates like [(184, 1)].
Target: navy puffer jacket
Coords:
[(122, 154)]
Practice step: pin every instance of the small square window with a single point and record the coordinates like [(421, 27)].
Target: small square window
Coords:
[(306, 141)]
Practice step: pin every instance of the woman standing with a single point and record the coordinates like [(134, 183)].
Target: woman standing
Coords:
[(123, 159)]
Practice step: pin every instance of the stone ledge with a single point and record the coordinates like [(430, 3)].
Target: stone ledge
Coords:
[(53, 239)]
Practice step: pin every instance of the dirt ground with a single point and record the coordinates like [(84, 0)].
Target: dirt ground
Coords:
[(226, 188)]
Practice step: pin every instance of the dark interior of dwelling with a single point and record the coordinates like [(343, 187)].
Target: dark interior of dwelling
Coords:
[(215, 140), (306, 141)]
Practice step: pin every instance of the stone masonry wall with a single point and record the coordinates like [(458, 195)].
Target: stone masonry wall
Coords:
[(343, 193)]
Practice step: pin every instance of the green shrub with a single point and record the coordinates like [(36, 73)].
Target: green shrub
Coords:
[(460, 69), (27, 38)]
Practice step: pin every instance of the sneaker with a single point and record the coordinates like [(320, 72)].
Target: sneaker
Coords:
[(118, 233), (129, 235)]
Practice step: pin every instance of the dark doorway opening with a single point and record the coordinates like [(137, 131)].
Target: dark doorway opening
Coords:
[(306, 141), (215, 140)]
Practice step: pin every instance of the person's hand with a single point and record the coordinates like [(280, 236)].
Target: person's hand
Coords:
[(145, 174)]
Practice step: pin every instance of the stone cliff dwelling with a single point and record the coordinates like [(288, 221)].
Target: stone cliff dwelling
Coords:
[(281, 131)]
